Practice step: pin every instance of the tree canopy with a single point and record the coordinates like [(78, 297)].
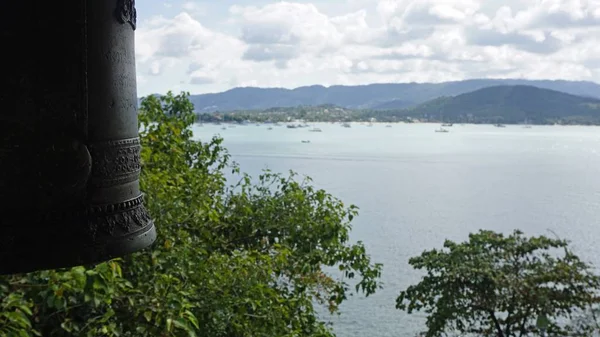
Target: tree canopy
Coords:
[(497, 285), (235, 260)]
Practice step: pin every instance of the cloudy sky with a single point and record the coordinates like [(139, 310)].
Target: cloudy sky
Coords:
[(213, 45)]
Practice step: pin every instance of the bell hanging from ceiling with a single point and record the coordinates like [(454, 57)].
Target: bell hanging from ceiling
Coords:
[(69, 146)]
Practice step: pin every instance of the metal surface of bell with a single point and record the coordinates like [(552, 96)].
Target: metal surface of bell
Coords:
[(69, 146)]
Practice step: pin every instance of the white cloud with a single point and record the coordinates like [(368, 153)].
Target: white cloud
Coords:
[(162, 44), (195, 8), (283, 30), (328, 42)]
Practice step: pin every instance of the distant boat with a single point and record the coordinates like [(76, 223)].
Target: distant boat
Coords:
[(269, 128), (223, 128), (315, 130), (306, 141), (442, 120), (441, 130), (500, 125), (346, 125), (292, 126), (388, 126)]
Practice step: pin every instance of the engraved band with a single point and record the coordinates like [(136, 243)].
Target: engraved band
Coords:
[(115, 162), (117, 219)]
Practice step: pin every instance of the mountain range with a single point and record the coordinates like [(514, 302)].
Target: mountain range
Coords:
[(509, 104), (375, 96)]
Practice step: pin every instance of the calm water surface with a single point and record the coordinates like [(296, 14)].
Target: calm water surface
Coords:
[(416, 188)]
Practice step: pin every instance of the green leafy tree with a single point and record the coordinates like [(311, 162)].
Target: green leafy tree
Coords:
[(236, 261), (497, 285), (15, 313)]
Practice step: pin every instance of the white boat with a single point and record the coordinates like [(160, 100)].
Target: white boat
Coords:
[(315, 130), (346, 125), (306, 141), (441, 130)]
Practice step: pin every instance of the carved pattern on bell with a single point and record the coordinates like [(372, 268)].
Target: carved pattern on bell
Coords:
[(117, 219), (126, 12), (115, 162)]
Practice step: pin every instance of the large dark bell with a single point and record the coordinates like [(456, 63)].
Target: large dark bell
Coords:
[(69, 147)]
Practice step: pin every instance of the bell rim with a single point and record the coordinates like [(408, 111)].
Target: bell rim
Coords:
[(94, 253)]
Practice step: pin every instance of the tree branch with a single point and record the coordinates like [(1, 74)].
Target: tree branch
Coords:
[(508, 324), (523, 322), (496, 323)]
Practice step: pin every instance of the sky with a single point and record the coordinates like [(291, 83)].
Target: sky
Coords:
[(204, 46)]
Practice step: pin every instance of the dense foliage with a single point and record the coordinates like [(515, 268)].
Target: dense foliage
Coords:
[(236, 261), (496, 285)]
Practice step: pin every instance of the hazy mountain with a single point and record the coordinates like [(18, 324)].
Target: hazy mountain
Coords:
[(392, 105), (511, 104), (374, 96)]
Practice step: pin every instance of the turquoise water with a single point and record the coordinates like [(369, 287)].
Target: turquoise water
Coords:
[(416, 188)]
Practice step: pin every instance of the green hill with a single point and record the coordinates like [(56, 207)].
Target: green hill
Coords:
[(380, 96), (511, 104)]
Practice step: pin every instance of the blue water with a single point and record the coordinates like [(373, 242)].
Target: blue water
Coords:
[(416, 188)]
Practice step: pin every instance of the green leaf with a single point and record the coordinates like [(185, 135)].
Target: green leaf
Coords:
[(542, 322)]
